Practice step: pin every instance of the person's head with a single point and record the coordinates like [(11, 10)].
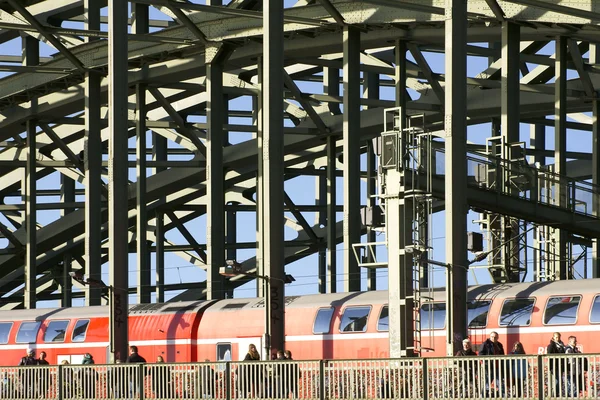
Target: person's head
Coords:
[(31, 352), (280, 354), (556, 337), (572, 341), (42, 355), (88, 359), (494, 336), (288, 354), (160, 359), (466, 344), (133, 349), (518, 348), (64, 362), (252, 348)]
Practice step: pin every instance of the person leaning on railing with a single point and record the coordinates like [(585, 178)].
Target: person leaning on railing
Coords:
[(577, 366), (556, 346)]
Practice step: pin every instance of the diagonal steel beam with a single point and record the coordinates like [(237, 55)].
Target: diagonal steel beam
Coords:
[(178, 120), (186, 21), (300, 218), (545, 5), (333, 12), (10, 236), (496, 9), (422, 63), (314, 116), (187, 235), (51, 38), (586, 81), (62, 145)]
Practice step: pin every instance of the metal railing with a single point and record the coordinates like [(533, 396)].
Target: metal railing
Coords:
[(499, 377)]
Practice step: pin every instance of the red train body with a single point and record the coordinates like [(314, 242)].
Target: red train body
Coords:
[(331, 326)]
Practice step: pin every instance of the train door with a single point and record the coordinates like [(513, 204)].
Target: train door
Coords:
[(243, 344)]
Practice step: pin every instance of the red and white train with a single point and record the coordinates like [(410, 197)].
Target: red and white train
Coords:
[(330, 326)]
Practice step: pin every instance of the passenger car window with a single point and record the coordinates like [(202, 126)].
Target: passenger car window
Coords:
[(80, 330), (561, 310), (223, 351), (55, 332), (595, 312), (433, 316), (323, 320), (355, 319), (516, 312), (384, 322), (28, 332), (477, 313), (5, 328)]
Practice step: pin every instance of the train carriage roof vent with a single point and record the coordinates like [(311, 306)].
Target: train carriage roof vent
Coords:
[(145, 308), (179, 309), (288, 300), (231, 306)]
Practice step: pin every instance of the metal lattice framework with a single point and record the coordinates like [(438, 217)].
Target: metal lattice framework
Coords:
[(202, 76)]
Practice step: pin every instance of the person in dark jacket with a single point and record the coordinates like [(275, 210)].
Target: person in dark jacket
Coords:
[(518, 371), (466, 369), (493, 369), (250, 376), (44, 376), (576, 368), (88, 377), (556, 346), (27, 376), (134, 358)]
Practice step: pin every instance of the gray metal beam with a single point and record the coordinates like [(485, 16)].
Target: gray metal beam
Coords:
[(560, 147), (331, 87), (271, 153), (456, 205), (141, 26), (68, 196), (510, 82), (595, 59), (371, 91), (92, 161), (118, 180), (31, 51), (424, 66), (351, 156), (215, 194)]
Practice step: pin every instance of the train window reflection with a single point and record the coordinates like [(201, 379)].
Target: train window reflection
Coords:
[(516, 312), (223, 351), (595, 312), (433, 316), (55, 332), (323, 320), (561, 310), (28, 332), (355, 319), (5, 328), (478, 313), (80, 330), (383, 324)]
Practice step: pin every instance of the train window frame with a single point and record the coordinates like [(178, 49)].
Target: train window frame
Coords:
[(28, 323), (445, 314), (84, 336), (370, 308), (558, 296), (66, 326), (487, 314), (384, 307), (10, 326), (592, 309), (332, 310), (500, 324), (229, 348)]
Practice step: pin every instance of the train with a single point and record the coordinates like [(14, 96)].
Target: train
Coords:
[(322, 326)]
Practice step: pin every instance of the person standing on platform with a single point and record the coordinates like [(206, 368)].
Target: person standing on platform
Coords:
[(556, 346), (466, 369), (493, 369), (135, 358)]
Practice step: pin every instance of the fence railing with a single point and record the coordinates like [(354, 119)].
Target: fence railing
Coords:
[(499, 377)]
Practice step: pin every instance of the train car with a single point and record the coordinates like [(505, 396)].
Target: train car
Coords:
[(329, 326)]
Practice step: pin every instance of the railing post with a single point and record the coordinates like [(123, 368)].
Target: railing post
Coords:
[(59, 382), (322, 379), (141, 379), (228, 380), (540, 376), (425, 379)]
